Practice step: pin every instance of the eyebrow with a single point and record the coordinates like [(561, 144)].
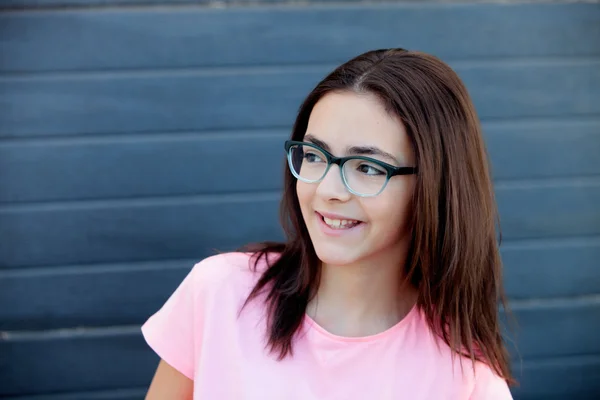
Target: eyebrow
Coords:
[(354, 150), (310, 138)]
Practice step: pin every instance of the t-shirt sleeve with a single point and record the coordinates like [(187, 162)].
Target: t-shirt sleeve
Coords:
[(171, 332), (489, 386)]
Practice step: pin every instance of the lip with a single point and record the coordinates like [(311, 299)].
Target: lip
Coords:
[(336, 216), (329, 231)]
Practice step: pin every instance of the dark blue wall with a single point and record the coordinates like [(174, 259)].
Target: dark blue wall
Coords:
[(119, 126)]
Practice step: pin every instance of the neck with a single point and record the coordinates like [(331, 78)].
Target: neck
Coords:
[(363, 298)]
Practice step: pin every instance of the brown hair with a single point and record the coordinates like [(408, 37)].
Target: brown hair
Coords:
[(454, 260)]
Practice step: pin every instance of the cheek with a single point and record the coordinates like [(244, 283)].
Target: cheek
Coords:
[(389, 213), (305, 195)]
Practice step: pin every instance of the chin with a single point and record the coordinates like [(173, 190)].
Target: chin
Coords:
[(337, 255), (335, 251)]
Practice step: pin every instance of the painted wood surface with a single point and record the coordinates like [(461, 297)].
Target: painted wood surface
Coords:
[(116, 174)]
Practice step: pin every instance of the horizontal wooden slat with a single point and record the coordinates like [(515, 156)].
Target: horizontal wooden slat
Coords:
[(73, 4), (61, 4), (116, 394), (66, 361), (156, 102), (173, 228), (176, 164), (123, 294), (87, 295), (194, 163), (539, 323), (60, 360), (543, 149), (554, 268), (576, 378), (117, 38), (146, 229), (549, 209), (263, 97)]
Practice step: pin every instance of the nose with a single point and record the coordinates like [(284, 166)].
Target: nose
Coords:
[(332, 186)]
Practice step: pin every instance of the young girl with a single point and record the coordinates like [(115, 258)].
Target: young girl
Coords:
[(389, 282)]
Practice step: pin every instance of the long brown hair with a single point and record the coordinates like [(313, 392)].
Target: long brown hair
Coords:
[(454, 260)]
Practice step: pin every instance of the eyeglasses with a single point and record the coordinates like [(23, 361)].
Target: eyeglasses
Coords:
[(362, 176)]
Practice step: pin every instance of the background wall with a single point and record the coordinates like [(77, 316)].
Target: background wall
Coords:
[(129, 133)]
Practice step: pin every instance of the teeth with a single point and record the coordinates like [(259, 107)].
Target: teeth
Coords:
[(339, 223)]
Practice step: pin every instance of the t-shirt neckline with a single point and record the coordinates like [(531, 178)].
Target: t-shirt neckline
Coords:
[(369, 338)]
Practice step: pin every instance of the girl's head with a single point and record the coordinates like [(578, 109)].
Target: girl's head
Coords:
[(361, 211), (424, 196), (415, 108)]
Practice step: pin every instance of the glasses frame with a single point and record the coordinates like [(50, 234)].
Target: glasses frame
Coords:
[(340, 161)]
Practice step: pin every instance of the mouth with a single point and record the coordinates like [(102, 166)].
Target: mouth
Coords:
[(338, 223)]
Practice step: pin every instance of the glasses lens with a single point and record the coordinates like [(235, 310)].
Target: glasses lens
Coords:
[(364, 177), (307, 163)]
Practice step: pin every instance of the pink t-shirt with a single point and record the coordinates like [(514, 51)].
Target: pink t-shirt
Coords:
[(200, 332)]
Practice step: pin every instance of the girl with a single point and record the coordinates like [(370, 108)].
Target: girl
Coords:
[(389, 282)]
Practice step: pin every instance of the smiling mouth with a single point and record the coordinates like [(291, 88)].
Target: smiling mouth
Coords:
[(339, 223)]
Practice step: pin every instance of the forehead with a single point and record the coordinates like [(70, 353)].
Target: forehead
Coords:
[(347, 119)]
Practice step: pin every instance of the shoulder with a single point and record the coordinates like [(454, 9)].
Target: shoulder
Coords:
[(226, 271), (220, 267), (476, 381), (488, 385), (207, 300)]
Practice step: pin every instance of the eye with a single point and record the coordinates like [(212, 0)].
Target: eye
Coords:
[(370, 169), (312, 157)]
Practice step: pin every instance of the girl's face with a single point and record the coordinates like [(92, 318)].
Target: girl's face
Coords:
[(346, 228)]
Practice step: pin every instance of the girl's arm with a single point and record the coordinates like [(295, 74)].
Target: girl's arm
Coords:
[(170, 384)]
